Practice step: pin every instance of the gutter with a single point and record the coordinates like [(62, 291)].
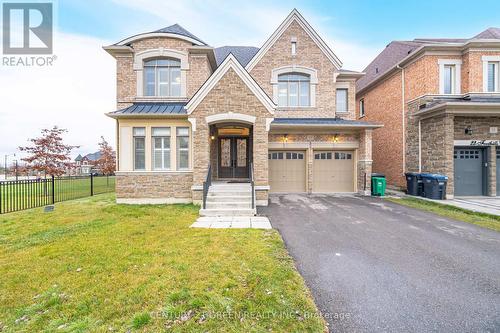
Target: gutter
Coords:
[(327, 125)]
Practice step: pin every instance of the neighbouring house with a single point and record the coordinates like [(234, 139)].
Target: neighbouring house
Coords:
[(84, 165), (282, 115), (439, 101)]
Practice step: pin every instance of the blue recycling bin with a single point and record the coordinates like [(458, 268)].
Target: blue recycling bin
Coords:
[(434, 185)]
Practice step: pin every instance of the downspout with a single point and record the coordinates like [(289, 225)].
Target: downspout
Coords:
[(403, 115), (117, 145), (419, 146)]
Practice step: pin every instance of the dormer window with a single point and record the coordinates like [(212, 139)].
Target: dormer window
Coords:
[(293, 90), (162, 77)]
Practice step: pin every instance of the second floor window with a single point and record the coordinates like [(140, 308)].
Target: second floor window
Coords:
[(139, 148), (161, 147), (493, 73), (361, 108), (162, 77), (341, 100), (293, 90), (449, 79)]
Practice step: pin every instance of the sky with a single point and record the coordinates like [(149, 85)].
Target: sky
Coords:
[(80, 87)]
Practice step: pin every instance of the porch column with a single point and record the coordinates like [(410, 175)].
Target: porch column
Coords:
[(365, 162), (492, 171)]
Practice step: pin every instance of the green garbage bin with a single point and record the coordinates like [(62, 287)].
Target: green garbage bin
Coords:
[(378, 185)]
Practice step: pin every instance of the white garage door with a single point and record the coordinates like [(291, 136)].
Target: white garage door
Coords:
[(287, 171), (333, 171)]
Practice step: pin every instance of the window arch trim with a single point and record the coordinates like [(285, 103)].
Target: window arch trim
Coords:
[(313, 79)]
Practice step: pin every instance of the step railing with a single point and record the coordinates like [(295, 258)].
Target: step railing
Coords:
[(252, 182), (206, 186)]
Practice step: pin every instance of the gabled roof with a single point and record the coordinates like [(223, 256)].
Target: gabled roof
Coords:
[(78, 158), (93, 156), (230, 63), (295, 16), (397, 53), (150, 109), (242, 53)]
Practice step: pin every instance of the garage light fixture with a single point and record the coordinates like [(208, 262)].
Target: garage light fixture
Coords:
[(285, 138), (335, 138), (468, 130)]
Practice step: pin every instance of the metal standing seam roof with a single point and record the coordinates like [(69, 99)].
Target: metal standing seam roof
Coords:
[(322, 121), (152, 108)]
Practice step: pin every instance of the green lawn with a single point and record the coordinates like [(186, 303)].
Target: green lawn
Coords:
[(15, 196), (481, 219), (92, 265)]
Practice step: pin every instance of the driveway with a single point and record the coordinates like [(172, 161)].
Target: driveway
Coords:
[(374, 266)]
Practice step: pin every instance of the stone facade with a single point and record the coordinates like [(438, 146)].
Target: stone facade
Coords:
[(308, 55), (163, 187), (230, 94)]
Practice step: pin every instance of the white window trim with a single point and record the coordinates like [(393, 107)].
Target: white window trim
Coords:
[(486, 60), (161, 52), (313, 74), (362, 107), (162, 150), (458, 73), (342, 85)]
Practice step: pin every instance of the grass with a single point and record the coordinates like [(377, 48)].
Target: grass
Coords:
[(482, 219), (21, 195), (93, 265)]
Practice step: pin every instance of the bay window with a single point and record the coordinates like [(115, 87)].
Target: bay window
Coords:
[(161, 148), (294, 90), (162, 77), (139, 134), (182, 148)]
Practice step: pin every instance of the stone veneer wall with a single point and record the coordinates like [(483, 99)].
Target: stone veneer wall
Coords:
[(308, 55), (152, 185), (230, 94)]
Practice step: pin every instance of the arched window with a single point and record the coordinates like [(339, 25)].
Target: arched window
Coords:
[(294, 90), (162, 77)]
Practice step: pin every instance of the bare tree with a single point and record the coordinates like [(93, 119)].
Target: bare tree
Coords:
[(48, 153), (107, 162)]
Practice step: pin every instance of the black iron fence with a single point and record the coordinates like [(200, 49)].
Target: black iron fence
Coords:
[(32, 193)]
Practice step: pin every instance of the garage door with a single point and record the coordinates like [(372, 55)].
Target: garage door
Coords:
[(287, 171), (468, 178), (333, 171)]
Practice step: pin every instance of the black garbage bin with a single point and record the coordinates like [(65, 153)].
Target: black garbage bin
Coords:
[(414, 184), (434, 185)]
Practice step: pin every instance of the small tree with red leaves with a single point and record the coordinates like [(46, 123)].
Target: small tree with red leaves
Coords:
[(49, 154), (107, 162)]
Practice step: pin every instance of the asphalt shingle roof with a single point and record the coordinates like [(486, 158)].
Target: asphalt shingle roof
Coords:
[(166, 108), (177, 29), (396, 51), (242, 53)]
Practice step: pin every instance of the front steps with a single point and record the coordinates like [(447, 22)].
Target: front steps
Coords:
[(229, 199)]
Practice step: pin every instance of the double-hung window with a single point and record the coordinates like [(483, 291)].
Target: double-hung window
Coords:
[(161, 148), (493, 73), (294, 90), (139, 148), (341, 100), (162, 77), (182, 148)]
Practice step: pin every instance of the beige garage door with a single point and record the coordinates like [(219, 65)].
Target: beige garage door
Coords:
[(333, 171), (287, 171)]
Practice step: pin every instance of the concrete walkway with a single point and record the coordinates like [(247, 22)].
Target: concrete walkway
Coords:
[(232, 222), (489, 205)]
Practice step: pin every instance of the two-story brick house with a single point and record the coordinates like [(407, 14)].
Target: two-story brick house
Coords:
[(282, 115), (439, 101)]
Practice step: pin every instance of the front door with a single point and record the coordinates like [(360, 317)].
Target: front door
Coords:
[(233, 157)]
